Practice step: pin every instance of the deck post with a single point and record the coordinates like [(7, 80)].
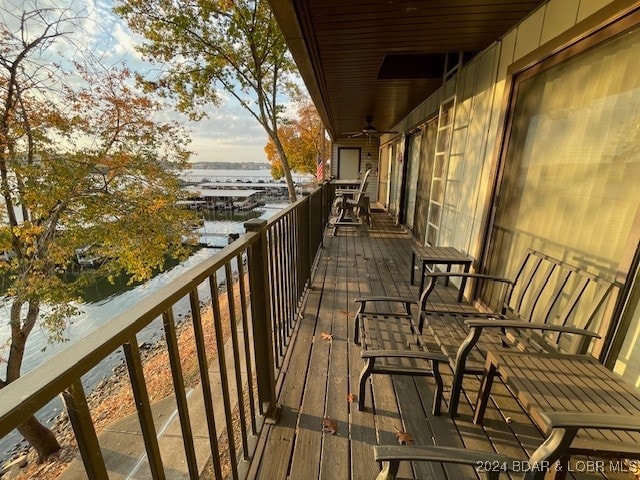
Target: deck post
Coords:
[(305, 242), (327, 201), (261, 320)]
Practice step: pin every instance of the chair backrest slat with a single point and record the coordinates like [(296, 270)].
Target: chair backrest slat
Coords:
[(363, 186)]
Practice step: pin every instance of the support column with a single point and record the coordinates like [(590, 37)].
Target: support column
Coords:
[(261, 320)]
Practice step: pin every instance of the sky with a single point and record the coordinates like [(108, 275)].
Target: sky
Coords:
[(228, 134)]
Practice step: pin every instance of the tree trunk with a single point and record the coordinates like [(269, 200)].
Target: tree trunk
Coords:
[(285, 169), (41, 439)]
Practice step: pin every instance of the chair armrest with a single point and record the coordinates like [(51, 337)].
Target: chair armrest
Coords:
[(591, 420), (482, 276), (341, 191), (435, 357), (496, 323), (460, 456), (432, 280)]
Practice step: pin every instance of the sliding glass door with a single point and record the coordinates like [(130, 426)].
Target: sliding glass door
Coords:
[(570, 183)]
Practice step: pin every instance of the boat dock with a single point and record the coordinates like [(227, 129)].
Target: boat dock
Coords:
[(225, 199)]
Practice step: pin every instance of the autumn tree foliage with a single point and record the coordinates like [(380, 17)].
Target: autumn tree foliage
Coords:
[(303, 139), (83, 165), (212, 45)]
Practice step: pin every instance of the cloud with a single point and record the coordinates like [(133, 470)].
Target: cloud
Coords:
[(228, 136), (96, 33), (206, 150), (110, 37)]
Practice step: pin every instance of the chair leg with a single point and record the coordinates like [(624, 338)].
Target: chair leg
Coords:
[(364, 375), (552, 449), (356, 331), (458, 374), (562, 467), (483, 396), (456, 387), (389, 471), (437, 397)]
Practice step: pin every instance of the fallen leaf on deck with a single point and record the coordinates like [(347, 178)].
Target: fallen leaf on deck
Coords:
[(326, 336), (404, 438), (351, 397), (329, 425), (344, 312)]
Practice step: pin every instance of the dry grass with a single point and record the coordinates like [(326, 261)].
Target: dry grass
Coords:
[(113, 399)]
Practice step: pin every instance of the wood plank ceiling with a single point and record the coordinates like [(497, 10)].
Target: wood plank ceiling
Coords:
[(384, 57)]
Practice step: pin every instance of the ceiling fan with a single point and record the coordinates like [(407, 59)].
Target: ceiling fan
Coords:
[(368, 131)]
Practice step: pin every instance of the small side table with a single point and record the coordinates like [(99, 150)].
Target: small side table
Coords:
[(447, 256)]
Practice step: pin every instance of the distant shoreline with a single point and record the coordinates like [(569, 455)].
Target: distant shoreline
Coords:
[(230, 166)]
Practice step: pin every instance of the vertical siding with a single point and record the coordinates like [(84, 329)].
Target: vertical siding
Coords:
[(507, 54), (588, 7), (366, 147), (559, 16), (529, 32), (477, 175), (480, 91)]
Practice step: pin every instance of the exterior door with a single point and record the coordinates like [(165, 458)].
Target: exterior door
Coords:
[(348, 163), (395, 185), (424, 180), (411, 184), (383, 179)]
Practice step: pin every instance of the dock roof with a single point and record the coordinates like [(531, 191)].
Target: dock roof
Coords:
[(222, 193), (246, 185)]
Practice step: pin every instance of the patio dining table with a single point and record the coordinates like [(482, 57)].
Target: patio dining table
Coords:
[(347, 183)]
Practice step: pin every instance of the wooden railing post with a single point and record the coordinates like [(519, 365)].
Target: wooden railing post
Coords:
[(327, 197), (306, 257), (261, 320), (324, 195)]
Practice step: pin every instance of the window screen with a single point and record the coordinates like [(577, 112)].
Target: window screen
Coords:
[(570, 186)]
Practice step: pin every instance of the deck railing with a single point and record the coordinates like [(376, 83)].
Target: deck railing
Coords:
[(253, 289)]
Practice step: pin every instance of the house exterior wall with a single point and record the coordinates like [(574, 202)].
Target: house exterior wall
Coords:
[(482, 92), (480, 117), (366, 148)]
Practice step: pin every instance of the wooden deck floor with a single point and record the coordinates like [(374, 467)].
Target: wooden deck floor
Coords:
[(321, 373)]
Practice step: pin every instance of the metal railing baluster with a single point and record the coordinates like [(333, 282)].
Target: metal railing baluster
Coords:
[(280, 285), (247, 344), (203, 365), (273, 283), (179, 389), (145, 416), (224, 379), (236, 358), (80, 418)]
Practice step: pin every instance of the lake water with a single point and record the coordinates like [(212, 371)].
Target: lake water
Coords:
[(108, 301)]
